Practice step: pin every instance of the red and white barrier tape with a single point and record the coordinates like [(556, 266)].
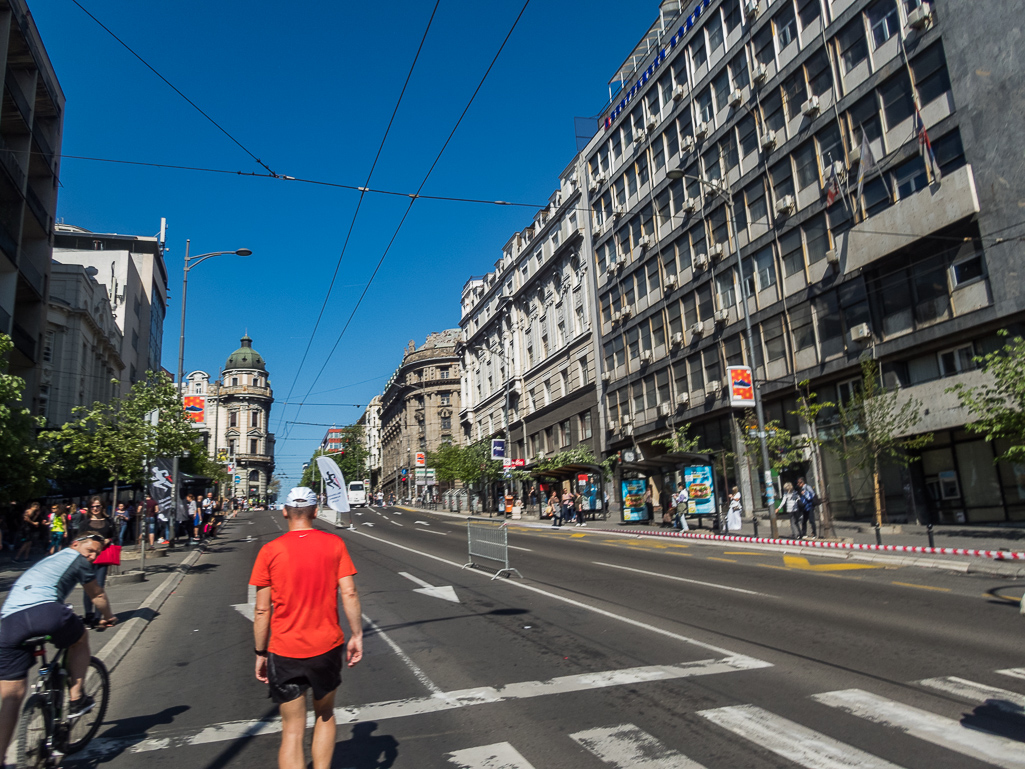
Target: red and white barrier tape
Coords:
[(998, 555)]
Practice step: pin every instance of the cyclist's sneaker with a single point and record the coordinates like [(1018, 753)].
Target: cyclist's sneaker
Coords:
[(81, 706)]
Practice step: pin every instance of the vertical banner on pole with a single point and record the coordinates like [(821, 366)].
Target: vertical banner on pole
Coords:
[(334, 484)]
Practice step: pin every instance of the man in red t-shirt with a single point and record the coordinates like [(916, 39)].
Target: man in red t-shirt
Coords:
[(299, 643)]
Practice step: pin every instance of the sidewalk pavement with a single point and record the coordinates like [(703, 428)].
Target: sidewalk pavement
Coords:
[(1009, 539)]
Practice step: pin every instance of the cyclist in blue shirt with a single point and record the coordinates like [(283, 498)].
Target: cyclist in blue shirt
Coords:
[(35, 607)]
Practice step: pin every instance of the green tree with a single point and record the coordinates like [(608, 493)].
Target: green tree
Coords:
[(351, 457), (680, 441), (997, 408), (809, 409), (120, 436), (448, 462), (874, 427), (23, 456)]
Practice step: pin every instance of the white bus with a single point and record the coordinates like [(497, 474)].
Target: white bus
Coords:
[(357, 494)]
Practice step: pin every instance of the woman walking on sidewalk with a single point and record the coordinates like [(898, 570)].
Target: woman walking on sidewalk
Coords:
[(99, 523), (792, 502)]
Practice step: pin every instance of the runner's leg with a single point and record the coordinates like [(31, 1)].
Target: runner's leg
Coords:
[(293, 728), (324, 731)]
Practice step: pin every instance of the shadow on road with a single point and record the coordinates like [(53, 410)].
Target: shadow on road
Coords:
[(510, 612), (365, 750), (1000, 717)]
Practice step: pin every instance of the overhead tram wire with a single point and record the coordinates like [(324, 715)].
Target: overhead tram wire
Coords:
[(359, 203), (412, 199), (171, 85)]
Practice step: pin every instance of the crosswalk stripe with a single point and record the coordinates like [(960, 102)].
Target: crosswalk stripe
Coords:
[(501, 755), (1013, 672), (792, 741), (628, 747), (945, 732), (1009, 701)]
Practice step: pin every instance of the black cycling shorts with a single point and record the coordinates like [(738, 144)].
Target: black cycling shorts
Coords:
[(54, 619), (291, 677)]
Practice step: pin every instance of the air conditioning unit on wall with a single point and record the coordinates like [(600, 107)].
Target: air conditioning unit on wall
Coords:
[(664, 409)]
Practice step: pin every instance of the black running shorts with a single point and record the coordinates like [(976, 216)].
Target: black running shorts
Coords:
[(54, 619), (291, 677)]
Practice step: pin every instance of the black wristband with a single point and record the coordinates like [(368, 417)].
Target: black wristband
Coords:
[(260, 653)]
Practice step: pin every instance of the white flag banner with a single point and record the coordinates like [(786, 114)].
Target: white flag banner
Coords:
[(334, 484)]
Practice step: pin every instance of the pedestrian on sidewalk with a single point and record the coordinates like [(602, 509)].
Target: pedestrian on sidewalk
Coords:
[(194, 518), (734, 512), (35, 607), (58, 527), (100, 527), (578, 508), (665, 501), (682, 502), (121, 523), (649, 506), (791, 500), (148, 511), (31, 521), (808, 504), (567, 506), (299, 642)]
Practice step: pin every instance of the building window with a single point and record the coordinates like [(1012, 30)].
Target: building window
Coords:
[(851, 41), (883, 20), (446, 399), (786, 25), (564, 434), (446, 423), (254, 419), (231, 447), (444, 372), (967, 270), (48, 341), (585, 425), (234, 381), (252, 445), (233, 419), (957, 360)]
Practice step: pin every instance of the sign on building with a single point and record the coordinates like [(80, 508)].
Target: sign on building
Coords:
[(742, 386), (195, 406), (498, 448), (421, 459)]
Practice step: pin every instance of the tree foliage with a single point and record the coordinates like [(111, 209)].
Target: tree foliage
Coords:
[(998, 407), (23, 456), (580, 455), (351, 457), (875, 427), (119, 437), (680, 441)]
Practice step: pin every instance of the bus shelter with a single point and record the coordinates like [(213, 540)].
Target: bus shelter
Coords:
[(696, 471), (583, 478)]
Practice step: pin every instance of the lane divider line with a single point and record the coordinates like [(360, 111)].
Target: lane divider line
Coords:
[(684, 579)]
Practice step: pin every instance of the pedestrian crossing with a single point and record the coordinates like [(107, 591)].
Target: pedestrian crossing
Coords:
[(628, 746)]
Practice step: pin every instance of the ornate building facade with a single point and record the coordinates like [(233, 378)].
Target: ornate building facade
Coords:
[(418, 407), (233, 415)]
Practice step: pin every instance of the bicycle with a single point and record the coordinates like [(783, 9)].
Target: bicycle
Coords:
[(46, 731)]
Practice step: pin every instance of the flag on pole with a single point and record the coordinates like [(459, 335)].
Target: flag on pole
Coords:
[(834, 185), (334, 484), (925, 149), (867, 164)]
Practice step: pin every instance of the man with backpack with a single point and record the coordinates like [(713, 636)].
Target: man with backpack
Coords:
[(808, 501)]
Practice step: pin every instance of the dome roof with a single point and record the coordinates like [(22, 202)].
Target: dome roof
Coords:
[(246, 357)]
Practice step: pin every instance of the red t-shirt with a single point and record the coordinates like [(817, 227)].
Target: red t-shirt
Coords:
[(302, 569)]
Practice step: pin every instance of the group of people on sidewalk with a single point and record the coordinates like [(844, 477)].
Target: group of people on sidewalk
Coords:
[(799, 503), (570, 508)]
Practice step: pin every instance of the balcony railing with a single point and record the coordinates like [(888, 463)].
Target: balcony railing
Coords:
[(44, 145), (244, 390), (38, 209), (32, 275), (253, 458), (9, 159), (24, 342)]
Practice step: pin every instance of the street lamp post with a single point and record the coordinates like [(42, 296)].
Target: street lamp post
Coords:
[(724, 192), (190, 262)]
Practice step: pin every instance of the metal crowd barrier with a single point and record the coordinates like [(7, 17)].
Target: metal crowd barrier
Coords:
[(490, 540)]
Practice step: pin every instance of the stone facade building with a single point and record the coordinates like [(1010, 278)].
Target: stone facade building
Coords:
[(370, 421), (132, 269), (527, 346), (725, 174), (418, 408), (233, 415), (81, 353)]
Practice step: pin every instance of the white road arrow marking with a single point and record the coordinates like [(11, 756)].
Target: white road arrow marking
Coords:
[(367, 523), (423, 523), (246, 609), (445, 592)]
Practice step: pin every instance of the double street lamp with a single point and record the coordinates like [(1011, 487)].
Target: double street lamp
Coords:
[(190, 262), (723, 191)]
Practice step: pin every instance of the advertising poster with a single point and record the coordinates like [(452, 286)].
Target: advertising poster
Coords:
[(700, 488), (742, 389), (633, 500), (195, 405)]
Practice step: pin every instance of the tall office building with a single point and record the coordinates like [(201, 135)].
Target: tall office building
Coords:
[(132, 269), (31, 125), (849, 166)]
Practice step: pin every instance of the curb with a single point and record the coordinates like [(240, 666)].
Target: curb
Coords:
[(112, 653)]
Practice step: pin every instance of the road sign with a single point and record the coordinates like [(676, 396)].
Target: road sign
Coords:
[(497, 448), (238, 479), (421, 459), (425, 476)]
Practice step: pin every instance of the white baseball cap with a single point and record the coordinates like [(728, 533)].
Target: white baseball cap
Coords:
[(301, 496)]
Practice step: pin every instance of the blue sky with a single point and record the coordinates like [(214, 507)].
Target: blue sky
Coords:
[(308, 87)]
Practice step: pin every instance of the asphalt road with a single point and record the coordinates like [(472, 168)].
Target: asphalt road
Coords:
[(611, 651)]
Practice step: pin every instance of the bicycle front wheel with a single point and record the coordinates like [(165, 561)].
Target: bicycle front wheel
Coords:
[(34, 730), (83, 728)]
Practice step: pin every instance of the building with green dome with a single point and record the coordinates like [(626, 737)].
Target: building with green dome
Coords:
[(233, 415)]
